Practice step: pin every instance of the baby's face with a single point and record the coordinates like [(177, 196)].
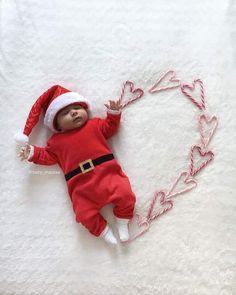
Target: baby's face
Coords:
[(71, 117)]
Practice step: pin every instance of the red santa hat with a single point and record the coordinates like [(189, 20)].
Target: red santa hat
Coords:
[(50, 102)]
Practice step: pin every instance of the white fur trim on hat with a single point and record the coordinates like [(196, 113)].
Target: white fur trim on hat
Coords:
[(59, 103)]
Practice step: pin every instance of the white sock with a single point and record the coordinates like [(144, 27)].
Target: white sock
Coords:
[(122, 226), (108, 235)]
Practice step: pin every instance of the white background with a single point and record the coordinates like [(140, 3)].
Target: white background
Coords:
[(93, 47)]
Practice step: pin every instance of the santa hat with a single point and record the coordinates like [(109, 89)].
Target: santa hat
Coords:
[(50, 102)]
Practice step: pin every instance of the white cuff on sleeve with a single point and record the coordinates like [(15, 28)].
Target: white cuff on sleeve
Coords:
[(114, 112), (31, 152)]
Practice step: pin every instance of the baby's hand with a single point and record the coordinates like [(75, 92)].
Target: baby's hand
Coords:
[(24, 153), (114, 105)]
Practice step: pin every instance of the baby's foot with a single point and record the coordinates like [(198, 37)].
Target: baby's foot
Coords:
[(108, 235), (122, 226)]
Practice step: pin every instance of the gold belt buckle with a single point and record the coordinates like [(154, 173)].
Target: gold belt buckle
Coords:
[(85, 170)]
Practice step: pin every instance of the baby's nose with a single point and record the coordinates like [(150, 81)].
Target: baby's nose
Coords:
[(73, 112)]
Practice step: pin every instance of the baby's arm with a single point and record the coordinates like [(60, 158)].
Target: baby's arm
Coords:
[(110, 124), (37, 155)]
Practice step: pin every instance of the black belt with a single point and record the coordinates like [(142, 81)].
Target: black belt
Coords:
[(88, 165)]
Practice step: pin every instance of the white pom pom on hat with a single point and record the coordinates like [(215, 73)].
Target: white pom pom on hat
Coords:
[(51, 102), (21, 138)]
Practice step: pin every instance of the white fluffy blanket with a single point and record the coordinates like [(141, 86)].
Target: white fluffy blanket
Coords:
[(93, 47)]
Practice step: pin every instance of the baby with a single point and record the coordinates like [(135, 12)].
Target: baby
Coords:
[(79, 146)]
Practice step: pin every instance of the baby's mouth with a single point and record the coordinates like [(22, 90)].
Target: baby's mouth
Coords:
[(78, 119)]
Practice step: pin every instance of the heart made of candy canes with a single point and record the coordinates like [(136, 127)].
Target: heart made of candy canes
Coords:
[(199, 156)]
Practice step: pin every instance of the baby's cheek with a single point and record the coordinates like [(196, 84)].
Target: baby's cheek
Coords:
[(62, 122)]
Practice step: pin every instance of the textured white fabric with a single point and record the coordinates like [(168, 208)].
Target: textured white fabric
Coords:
[(92, 47)]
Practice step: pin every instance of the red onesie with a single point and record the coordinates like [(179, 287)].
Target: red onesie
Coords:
[(105, 184)]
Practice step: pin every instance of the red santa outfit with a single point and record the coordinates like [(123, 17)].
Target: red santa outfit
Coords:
[(94, 177)]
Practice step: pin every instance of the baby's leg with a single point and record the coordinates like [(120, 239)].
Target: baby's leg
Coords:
[(87, 213), (92, 220), (124, 201), (123, 210)]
